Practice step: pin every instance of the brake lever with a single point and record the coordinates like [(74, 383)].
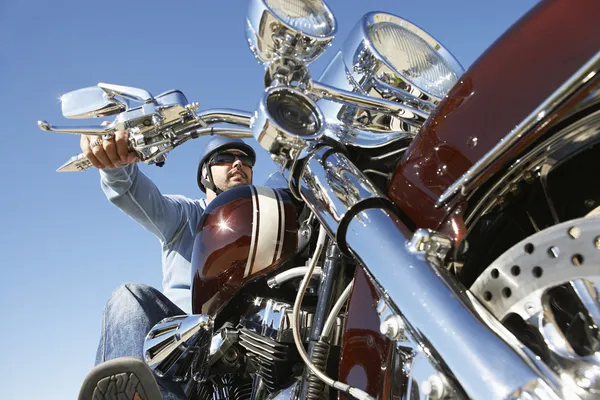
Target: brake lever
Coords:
[(97, 130)]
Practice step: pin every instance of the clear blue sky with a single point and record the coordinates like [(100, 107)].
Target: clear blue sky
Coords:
[(64, 248)]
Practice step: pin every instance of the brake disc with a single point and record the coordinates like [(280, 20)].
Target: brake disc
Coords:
[(561, 262), (554, 256)]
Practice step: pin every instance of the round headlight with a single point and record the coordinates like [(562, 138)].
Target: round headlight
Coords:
[(307, 16), (298, 29), (416, 56)]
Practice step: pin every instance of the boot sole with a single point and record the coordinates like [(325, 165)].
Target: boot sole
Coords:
[(125, 378)]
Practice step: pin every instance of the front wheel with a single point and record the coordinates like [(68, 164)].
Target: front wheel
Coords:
[(545, 290)]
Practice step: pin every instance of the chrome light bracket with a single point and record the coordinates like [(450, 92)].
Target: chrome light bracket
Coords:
[(287, 71), (301, 29), (430, 243)]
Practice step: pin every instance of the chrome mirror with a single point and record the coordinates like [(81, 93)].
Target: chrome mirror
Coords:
[(300, 29), (90, 102)]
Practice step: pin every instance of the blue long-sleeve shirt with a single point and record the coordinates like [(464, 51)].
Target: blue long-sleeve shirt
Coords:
[(172, 218)]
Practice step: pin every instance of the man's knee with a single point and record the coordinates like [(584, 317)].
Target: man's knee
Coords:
[(135, 290), (127, 298)]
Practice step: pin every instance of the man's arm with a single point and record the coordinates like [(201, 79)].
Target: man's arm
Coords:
[(137, 196), (131, 191)]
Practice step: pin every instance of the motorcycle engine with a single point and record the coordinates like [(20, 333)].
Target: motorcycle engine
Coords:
[(258, 357)]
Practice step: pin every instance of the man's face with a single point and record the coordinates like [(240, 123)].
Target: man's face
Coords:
[(230, 174)]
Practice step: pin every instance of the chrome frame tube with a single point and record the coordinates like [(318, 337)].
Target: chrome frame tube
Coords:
[(441, 315), (412, 115)]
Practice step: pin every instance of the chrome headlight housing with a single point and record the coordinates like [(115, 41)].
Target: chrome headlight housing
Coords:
[(301, 29), (408, 57), (388, 57)]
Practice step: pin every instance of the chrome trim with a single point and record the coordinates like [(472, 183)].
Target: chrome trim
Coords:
[(410, 114), (136, 94), (411, 365), (364, 62), (289, 393), (80, 162), (270, 37), (98, 130), (360, 68), (277, 139), (272, 319), (90, 102), (220, 343), (443, 318), (365, 139), (538, 163), (465, 183), (430, 243), (441, 315), (217, 115), (177, 347), (331, 185)]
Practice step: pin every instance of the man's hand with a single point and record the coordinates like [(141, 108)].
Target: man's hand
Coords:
[(111, 153)]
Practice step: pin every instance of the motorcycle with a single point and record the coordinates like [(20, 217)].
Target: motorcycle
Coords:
[(432, 232)]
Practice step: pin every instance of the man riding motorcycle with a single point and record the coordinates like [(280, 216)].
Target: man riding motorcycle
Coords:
[(133, 309)]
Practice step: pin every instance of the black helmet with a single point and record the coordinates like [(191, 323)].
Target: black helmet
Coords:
[(216, 145)]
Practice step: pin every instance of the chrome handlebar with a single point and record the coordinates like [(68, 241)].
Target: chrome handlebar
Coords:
[(152, 145)]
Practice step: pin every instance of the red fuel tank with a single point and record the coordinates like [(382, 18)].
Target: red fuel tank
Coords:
[(244, 233)]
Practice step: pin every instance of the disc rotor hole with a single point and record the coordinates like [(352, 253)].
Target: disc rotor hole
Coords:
[(506, 292), (495, 274), (487, 296), (537, 272), (515, 270), (577, 260), (529, 248)]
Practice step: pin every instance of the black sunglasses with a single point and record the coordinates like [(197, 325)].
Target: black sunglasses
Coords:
[(229, 158)]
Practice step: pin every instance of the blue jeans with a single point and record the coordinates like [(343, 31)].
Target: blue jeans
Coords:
[(129, 314)]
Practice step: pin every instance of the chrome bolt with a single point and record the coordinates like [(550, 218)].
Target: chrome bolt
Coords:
[(502, 201), (433, 387), (193, 106), (393, 327), (529, 176), (278, 159)]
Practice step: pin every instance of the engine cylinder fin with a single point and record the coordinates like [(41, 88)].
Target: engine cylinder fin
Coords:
[(273, 361)]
